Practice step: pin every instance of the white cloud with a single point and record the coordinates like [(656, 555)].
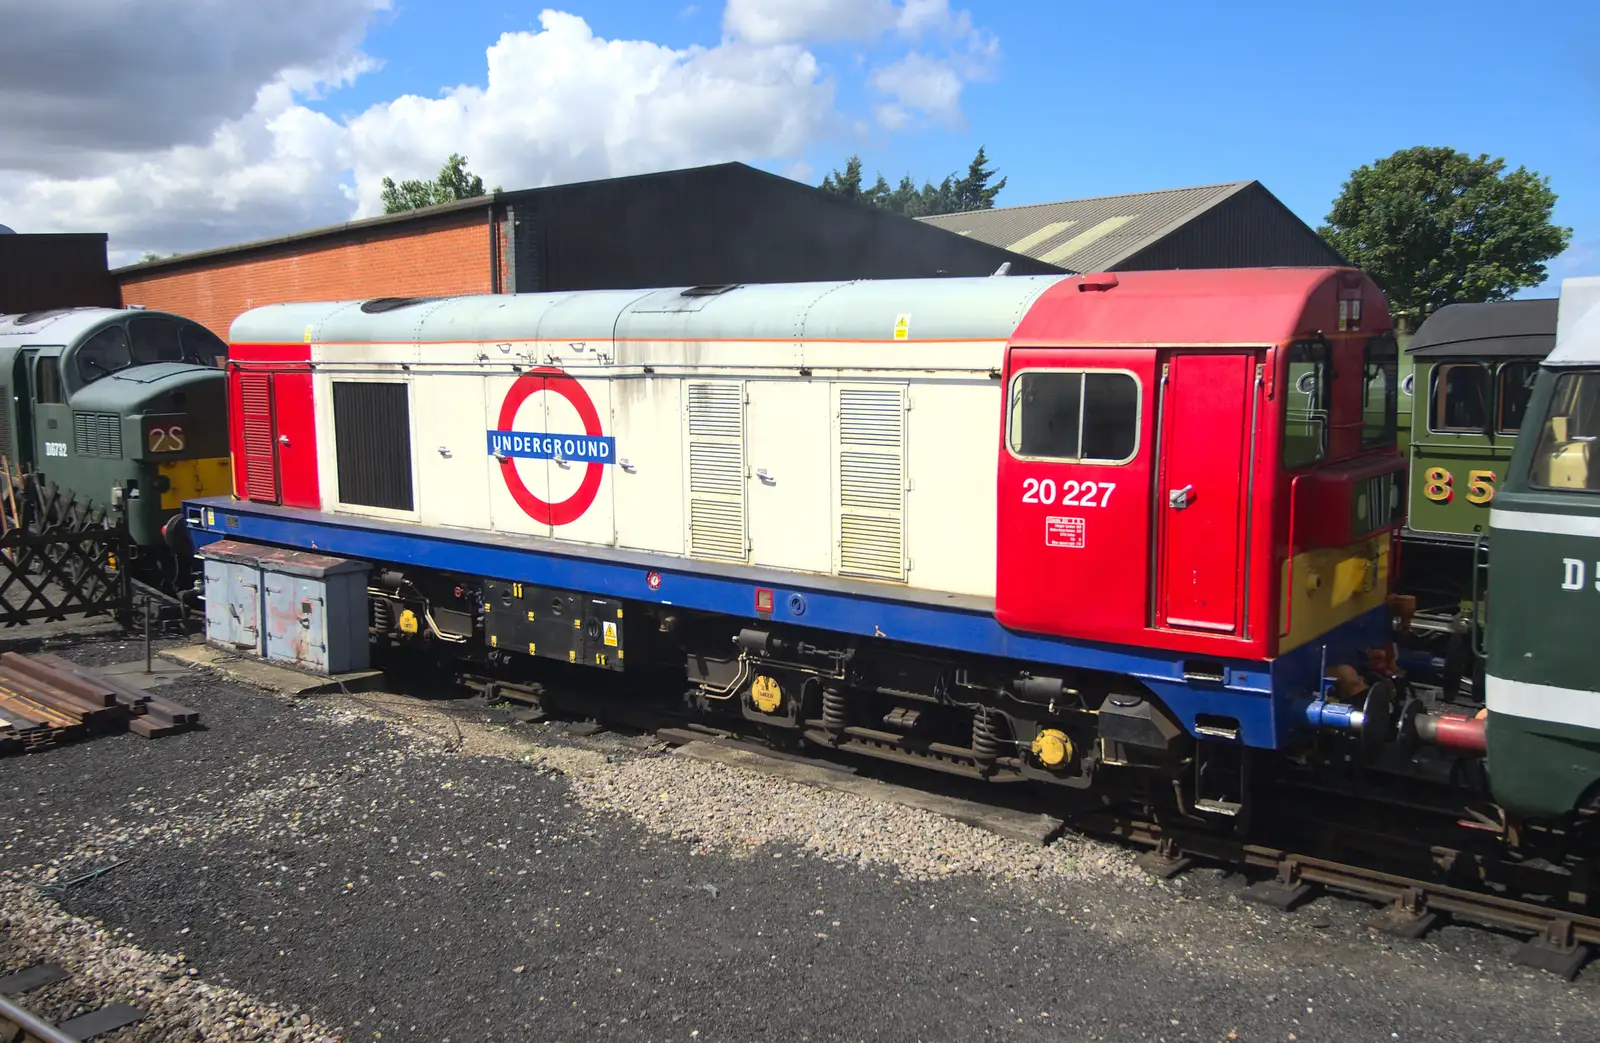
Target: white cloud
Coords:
[(111, 76), (778, 21), (231, 148), (564, 104), (918, 83)]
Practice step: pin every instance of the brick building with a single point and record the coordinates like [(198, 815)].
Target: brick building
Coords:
[(707, 225)]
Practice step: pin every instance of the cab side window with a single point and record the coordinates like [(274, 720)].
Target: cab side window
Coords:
[(1073, 415), (154, 340), (1512, 393), (47, 381), (1460, 398), (1305, 413), (1565, 457), (1380, 391), (103, 354)]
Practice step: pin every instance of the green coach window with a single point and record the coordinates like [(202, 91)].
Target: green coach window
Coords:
[(1565, 458), (1460, 398), (1512, 393)]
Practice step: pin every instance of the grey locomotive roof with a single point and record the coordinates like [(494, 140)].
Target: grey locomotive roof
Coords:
[(1088, 235), (1578, 341), (60, 325), (988, 309), (1492, 328)]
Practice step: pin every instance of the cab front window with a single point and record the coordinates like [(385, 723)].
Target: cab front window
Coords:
[(1566, 457)]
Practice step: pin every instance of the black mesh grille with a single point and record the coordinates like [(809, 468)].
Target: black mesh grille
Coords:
[(372, 436)]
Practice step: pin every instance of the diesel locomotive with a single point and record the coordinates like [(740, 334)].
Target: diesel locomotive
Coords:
[(122, 409), (1129, 534), (1542, 690)]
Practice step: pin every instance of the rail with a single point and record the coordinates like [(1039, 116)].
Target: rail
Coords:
[(32, 1026)]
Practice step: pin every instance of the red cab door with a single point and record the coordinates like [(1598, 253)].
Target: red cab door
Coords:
[(1074, 492), (1208, 406)]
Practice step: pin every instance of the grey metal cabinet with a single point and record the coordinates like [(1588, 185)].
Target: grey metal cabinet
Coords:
[(316, 611), (296, 607), (233, 595)]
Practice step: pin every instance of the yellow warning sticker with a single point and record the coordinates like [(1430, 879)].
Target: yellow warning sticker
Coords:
[(308, 334), (902, 327), (611, 634)]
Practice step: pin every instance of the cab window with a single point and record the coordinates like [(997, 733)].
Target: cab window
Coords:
[(1460, 398), (1074, 415), (47, 381), (1514, 388), (1305, 413), (202, 346), (1566, 457), (154, 340), (1380, 391), (103, 354)]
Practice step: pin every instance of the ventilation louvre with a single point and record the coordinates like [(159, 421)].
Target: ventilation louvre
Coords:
[(98, 434), (260, 440), (871, 455), (714, 417)]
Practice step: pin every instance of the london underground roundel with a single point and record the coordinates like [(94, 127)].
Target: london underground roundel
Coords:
[(593, 447)]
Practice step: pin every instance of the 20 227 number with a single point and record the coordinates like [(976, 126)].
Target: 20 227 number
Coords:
[(1073, 494)]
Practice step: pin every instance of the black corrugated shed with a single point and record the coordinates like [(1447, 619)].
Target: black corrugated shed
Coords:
[(724, 224), (55, 271), (727, 223)]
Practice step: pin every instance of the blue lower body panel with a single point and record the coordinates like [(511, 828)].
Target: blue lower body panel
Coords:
[(1256, 694)]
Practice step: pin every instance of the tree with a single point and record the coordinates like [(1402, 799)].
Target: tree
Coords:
[(952, 195), (454, 182), (1434, 226)]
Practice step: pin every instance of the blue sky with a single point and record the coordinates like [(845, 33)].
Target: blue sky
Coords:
[(1088, 99), (1070, 100)]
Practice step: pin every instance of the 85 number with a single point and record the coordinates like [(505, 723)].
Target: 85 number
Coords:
[(1439, 485)]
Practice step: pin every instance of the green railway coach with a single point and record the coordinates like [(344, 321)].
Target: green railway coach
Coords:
[(1543, 689), (124, 408), (1471, 373)]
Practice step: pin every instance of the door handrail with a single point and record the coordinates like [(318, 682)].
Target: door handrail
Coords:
[(1288, 615)]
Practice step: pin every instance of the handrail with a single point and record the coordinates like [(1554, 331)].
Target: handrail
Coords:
[(43, 1031), (1477, 629), (1288, 616)]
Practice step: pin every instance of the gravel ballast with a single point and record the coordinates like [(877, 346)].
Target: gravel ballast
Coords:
[(424, 871)]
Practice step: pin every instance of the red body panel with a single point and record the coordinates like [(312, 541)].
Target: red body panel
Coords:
[(1201, 500), (1069, 566), (274, 430)]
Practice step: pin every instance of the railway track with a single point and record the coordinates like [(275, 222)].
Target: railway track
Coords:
[(20, 1025), (1558, 935)]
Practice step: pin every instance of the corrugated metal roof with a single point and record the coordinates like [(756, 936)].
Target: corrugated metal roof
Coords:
[(1088, 235)]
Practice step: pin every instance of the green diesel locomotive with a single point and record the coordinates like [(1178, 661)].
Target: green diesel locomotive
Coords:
[(125, 409), (1543, 692)]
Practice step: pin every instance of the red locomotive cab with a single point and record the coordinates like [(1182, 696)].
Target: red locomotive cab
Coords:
[(1239, 482)]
